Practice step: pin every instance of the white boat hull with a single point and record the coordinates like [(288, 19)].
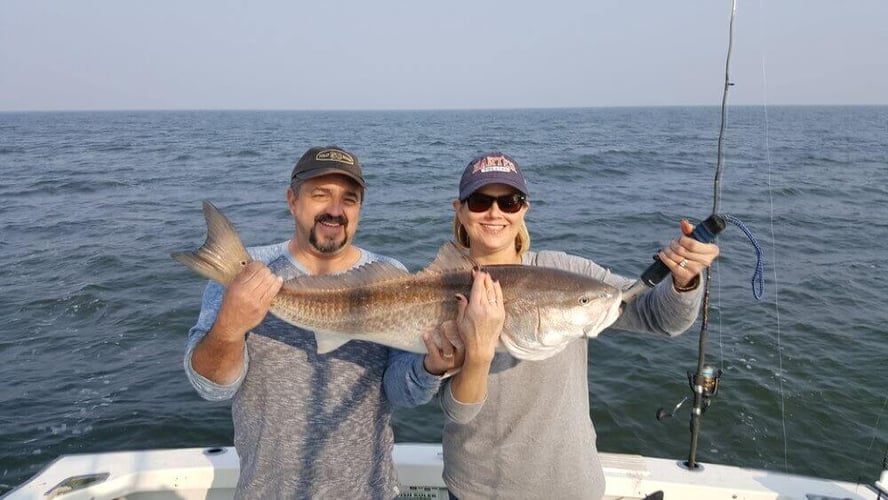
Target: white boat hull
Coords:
[(211, 473)]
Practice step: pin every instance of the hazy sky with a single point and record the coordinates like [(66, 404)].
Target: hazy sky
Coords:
[(380, 54)]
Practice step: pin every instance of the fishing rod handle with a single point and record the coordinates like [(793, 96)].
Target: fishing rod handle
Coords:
[(705, 232)]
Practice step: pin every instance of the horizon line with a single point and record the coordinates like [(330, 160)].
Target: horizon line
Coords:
[(353, 110)]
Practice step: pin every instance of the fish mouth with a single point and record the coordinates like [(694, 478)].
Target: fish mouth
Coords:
[(612, 313)]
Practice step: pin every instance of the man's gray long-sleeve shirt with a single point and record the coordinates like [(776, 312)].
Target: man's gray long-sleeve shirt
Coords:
[(309, 425)]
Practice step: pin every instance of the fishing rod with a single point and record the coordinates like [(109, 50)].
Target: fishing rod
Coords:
[(704, 382)]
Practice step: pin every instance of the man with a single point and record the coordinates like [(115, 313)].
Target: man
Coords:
[(307, 425)]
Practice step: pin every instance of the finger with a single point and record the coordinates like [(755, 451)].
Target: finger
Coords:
[(686, 227), (678, 248), (446, 347), (451, 333), (253, 268), (272, 289), (254, 275), (461, 304), (700, 253), (479, 287), (489, 291), (672, 261), (244, 275), (498, 290), (669, 255), (430, 345), (693, 252), (689, 245)]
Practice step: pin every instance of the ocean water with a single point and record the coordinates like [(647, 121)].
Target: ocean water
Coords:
[(95, 313)]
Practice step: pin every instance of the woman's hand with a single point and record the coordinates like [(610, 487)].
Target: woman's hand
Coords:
[(687, 257), (480, 319)]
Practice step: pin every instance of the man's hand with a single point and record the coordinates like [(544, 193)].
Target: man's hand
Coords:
[(246, 301)]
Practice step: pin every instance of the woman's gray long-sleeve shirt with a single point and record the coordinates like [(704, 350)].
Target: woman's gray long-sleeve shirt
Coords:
[(533, 436)]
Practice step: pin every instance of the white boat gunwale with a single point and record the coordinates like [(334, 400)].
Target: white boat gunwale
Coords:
[(191, 473)]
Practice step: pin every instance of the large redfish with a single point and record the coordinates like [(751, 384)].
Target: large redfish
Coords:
[(377, 302)]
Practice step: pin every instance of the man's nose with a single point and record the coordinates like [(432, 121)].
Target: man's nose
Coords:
[(336, 207)]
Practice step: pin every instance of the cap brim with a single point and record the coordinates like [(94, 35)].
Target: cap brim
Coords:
[(471, 188), (317, 172)]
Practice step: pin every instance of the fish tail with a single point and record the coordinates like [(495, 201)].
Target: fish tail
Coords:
[(222, 256)]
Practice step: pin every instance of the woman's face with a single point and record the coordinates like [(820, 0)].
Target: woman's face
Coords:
[(492, 232)]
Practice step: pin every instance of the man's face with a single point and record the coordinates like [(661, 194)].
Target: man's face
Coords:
[(327, 210)]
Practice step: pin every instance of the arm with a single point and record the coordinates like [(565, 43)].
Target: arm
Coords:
[(413, 379), (216, 358), (479, 324), (672, 306), (207, 389), (665, 309), (407, 382)]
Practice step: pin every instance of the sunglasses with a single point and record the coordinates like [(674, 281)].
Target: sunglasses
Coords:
[(508, 203)]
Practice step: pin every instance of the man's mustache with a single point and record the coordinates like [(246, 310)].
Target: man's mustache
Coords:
[(335, 219)]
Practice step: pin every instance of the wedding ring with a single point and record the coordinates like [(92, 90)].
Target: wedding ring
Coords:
[(447, 356), (492, 301), (683, 264)]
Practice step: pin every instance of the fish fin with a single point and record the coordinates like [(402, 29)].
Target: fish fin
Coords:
[(371, 273), (328, 342), (222, 256), (450, 258)]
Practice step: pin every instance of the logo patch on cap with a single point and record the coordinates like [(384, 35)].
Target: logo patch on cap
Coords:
[(334, 155), (493, 164)]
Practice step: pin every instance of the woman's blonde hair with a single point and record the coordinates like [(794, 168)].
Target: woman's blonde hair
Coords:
[(461, 236)]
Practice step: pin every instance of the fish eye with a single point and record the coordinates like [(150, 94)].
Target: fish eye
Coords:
[(584, 300)]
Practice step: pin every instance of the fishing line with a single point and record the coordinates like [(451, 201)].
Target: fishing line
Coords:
[(873, 439), (767, 135), (704, 382)]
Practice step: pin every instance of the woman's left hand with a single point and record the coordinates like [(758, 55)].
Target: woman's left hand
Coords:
[(686, 257)]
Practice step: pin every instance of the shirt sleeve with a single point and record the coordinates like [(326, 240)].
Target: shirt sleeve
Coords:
[(406, 381), (209, 308), (456, 411), (662, 310)]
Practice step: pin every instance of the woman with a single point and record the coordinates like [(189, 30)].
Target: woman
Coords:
[(521, 429)]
